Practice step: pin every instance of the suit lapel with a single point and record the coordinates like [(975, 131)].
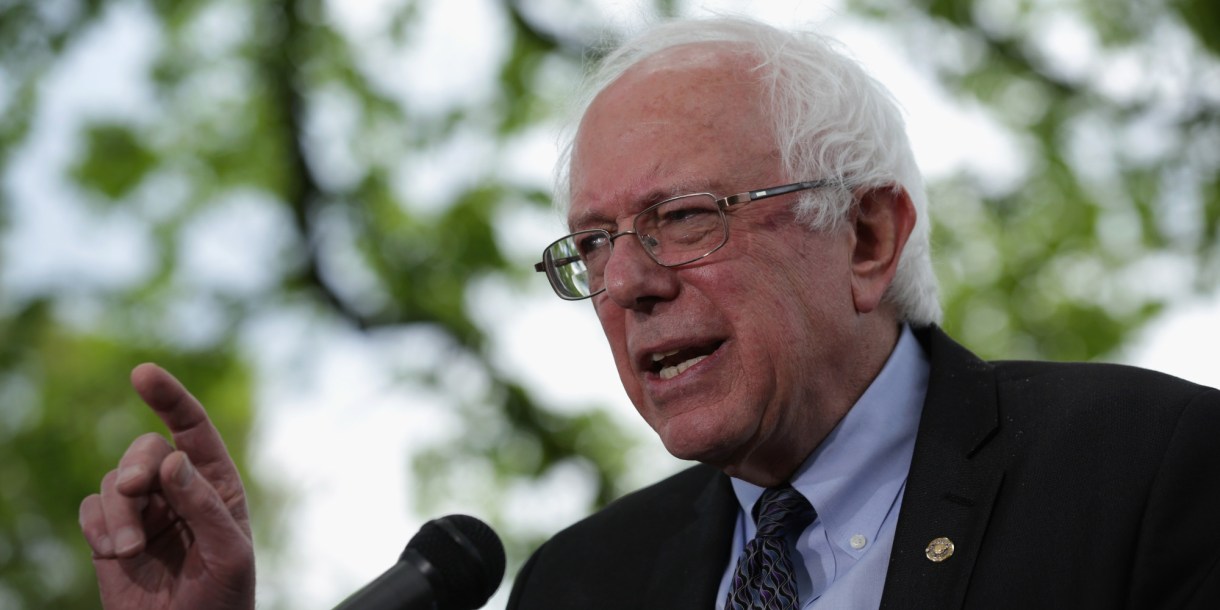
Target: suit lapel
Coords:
[(950, 491), (690, 564), (952, 483)]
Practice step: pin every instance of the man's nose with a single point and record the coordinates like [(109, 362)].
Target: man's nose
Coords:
[(633, 279)]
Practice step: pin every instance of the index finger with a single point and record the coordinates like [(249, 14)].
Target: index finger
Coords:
[(187, 421)]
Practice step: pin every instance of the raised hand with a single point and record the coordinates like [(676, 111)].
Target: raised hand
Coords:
[(170, 528)]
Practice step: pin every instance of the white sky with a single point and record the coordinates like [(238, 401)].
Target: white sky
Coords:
[(328, 428)]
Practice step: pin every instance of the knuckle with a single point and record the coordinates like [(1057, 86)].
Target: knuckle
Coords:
[(109, 479), (141, 460), (149, 441)]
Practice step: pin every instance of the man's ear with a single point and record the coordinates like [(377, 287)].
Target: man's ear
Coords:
[(881, 223)]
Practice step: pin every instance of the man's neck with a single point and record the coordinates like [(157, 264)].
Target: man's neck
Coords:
[(774, 463)]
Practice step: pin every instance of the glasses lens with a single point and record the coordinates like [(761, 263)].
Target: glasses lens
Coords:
[(575, 263), (682, 229)]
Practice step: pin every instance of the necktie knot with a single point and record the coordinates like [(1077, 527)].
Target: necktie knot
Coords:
[(765, 575), (781, 511)]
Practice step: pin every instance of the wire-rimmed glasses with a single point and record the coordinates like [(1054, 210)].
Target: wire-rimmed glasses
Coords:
[(676, 231)]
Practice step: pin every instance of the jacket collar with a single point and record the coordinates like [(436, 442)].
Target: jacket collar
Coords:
[(953, 481)]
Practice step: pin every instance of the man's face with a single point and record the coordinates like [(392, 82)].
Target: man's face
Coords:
[(762, 330)]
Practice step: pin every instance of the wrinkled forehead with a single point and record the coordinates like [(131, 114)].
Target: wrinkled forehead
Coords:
[(665, 123), (692, 85)]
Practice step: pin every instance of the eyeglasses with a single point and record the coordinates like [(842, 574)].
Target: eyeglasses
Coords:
[(676, 231)]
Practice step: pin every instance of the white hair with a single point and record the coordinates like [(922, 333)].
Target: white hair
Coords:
[(830, 119)]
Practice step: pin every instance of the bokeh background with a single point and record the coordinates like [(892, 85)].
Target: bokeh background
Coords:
[(322, 216)]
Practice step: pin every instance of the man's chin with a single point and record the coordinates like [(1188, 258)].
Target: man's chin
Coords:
[(700, 446)]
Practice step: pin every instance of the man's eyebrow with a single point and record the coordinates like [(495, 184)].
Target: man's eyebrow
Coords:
[(590, 218)]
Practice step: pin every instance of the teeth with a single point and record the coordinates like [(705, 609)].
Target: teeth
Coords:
[(657, 357), (670, 372)]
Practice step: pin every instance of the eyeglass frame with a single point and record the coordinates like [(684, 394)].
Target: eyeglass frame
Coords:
[(722, 203)]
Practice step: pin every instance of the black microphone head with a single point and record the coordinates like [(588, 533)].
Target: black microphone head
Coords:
[(466, 557)]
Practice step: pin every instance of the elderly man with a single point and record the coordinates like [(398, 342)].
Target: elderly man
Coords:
[(750, 227), (782, 336)]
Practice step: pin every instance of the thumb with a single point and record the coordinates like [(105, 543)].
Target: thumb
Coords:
[(192, 497)]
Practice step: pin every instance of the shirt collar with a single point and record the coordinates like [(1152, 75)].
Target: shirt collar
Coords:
[(855, 475)]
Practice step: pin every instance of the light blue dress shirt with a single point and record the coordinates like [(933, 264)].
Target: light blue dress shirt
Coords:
[(855, 480)]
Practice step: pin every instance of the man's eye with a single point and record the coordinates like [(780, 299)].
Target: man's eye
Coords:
[(590, 243), (684, 214)]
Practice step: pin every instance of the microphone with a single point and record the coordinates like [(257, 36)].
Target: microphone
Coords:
[(453, 563)]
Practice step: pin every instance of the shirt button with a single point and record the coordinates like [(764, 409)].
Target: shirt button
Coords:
[(858, 541)]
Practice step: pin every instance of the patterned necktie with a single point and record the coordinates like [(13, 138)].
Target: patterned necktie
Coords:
[(764, 576)]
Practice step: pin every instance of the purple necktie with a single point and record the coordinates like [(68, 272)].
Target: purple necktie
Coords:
[(764, 576)]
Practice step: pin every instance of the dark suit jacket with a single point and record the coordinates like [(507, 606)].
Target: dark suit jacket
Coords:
[(1060, 485)]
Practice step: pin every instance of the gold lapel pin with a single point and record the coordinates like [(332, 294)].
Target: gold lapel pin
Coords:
[(939, 550)]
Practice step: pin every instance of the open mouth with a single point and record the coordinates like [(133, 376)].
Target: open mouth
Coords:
[(668, 365)]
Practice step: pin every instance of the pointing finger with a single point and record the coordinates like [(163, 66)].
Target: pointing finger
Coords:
[(188, 423)]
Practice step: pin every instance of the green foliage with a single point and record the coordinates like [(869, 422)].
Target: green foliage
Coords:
[(233, 115), (1203, 17), (67, 419), (1058, 265), (114, 161)]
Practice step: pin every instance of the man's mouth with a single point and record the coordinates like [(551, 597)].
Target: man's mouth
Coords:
[(668, 365)]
